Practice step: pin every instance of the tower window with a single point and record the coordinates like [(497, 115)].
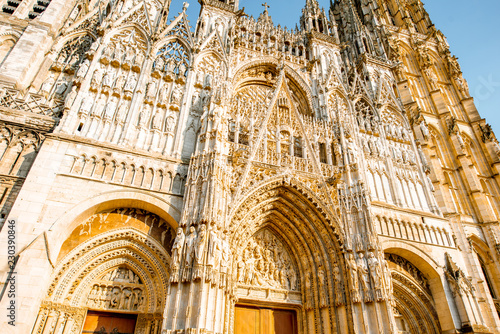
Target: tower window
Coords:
[(322, 153)]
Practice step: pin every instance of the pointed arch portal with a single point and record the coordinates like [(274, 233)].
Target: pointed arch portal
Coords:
[(287, 259)]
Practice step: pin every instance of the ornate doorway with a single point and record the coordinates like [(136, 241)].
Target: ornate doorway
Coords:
[(259, 320), (109, 323)]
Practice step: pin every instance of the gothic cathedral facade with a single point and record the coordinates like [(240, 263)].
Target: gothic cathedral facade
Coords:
[(239, 177)]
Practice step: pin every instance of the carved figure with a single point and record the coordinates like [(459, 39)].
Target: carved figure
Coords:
[(87, 103), (120, 82), (107, 80), (376, 275), (96, 79), (424, 129), (131, 82), (176, 95), (353, 271), (144, 116), (189, 247), (122, 112), (84, 67), (177, 247), (110, 109), (364, 277), (157, 120), (201, 243)]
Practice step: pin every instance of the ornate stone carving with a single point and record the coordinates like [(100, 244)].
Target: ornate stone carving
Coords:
[(118, 289), (265, 262)]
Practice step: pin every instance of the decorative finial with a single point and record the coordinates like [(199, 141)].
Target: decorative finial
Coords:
[(266, 6), (185, 6)]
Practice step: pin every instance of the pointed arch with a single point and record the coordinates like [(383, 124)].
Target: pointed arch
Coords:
[(419, 287), (307, 234)]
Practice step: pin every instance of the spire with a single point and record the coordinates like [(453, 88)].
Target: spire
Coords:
[(264, 17), (314, 18)]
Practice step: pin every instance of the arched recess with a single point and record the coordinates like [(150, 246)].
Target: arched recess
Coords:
[(120, 272), (302, 244), (418, 289), (488, 269), (415, 310), (8, 40), (66, 224)]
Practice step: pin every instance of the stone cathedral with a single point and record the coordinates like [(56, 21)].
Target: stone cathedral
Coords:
[(234, 176)]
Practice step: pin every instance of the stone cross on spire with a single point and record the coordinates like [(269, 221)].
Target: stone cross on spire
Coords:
[(266, 6)]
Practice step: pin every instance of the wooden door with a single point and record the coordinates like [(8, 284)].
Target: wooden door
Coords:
[(260, 320), (109, 323)]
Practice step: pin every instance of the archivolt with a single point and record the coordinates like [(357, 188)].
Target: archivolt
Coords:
[(307, 234), (300, 220), (415, 305), (73, 276), (304, 195)]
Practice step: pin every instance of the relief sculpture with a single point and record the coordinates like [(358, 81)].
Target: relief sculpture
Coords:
[(265, 262)]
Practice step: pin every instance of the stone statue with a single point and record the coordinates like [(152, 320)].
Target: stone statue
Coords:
[(159, 64), (144, 116), (170, 66), (424, 129), (47, 85), (122, 112), (139, 58), (151, 90), (129, 55), (157, 120), (110, 108), (120, 82), (353, 271), (87, 103), (323, 292), (107, 80), (70, 98), (201, 243), (84, 67), (131, 82), (364, 277), (169, 124), (387, 277), (108, 50), (118, 55), (376, 275), (182, 69), (214, 249), (177, 248), (96, 78), (189, 247), (226, 253), (176, 95)]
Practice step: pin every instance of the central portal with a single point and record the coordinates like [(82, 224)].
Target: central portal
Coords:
[(260, 320)]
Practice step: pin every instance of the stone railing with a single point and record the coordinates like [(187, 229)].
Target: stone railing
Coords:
[(34, 103), (415, 231)]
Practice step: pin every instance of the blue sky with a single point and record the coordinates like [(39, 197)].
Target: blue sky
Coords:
[(471, 27)]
